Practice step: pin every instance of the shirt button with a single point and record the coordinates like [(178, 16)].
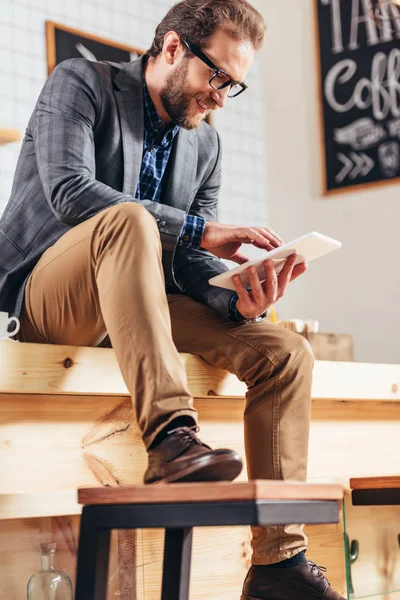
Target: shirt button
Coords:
[(186, 238), (162, 224)]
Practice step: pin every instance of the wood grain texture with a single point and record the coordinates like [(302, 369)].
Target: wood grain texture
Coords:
[(50, 430), (20, 541), (209, 492), (80, 431), (221, 557), (127, 544), (44, 504), (375, 483), (47, 369)]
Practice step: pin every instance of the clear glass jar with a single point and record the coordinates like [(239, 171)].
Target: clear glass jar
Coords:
[(49, 583)]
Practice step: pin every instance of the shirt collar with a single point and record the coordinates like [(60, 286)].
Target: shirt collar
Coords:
[(153, 122)]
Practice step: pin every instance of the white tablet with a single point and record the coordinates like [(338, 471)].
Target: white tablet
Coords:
[(307, 247)]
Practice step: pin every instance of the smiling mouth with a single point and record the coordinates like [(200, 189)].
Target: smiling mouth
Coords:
[(203, 107)]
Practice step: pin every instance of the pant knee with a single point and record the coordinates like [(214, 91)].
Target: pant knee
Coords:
[(267, 357), (296, 351), (131, 214)]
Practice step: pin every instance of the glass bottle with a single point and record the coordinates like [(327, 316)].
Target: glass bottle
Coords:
[(49, 583)]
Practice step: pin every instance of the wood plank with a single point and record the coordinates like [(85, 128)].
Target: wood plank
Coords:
[(375, 483), (8, 135), (44, 504), (60, 433), (209, 492), (48, 369)]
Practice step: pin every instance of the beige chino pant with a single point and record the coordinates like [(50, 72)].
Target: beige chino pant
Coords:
[(105, 276)]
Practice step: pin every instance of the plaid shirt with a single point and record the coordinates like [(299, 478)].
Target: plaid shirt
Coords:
[(157, 147)]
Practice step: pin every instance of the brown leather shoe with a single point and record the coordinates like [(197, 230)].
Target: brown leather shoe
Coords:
[(303, 582), (183, 457)]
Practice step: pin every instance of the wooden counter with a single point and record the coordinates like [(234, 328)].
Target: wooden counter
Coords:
[(66, 421)]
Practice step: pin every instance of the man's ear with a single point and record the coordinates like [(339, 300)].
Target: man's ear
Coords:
[(172, 47)]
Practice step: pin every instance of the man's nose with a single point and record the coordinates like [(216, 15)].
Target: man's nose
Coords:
[(220, 96)]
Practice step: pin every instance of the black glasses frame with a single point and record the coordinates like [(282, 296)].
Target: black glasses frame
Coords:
[(230, 83)]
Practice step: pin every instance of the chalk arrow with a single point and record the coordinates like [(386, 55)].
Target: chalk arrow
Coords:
[(354, 165), (369, 164), (348, 165), (363, 165)]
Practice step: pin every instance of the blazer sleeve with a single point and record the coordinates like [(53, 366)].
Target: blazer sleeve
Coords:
[(194, 267), (62, 128)]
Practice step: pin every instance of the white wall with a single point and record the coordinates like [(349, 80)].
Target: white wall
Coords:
[(23, 71), (351, 291)]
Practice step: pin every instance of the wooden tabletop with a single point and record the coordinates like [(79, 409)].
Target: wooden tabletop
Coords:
[(375, 483), (209, 492)]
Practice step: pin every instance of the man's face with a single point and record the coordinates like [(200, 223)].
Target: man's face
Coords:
[(187, 95)]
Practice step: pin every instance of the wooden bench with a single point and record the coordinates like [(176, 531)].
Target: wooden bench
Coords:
[(178, 508), (375, 491), (66, 421)]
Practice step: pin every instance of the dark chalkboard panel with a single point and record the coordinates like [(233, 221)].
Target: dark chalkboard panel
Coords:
[(64, 42), (360, 93)]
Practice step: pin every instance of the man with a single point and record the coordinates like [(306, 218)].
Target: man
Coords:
[(116, 188)]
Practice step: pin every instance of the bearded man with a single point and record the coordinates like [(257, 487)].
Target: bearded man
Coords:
[(111, 232)]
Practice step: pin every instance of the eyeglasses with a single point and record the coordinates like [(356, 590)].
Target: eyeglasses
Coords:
[(220, 79)]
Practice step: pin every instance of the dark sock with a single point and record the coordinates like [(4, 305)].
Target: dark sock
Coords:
[(174, 424), (286, 564)]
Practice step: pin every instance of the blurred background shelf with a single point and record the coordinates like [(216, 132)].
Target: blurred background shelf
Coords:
[(8, 135)]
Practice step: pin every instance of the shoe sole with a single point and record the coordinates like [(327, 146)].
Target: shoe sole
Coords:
[(206, 468)]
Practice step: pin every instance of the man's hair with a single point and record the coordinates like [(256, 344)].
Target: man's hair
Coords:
[(198, 20)]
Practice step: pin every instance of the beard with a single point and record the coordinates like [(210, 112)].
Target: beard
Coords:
[(177, 99)]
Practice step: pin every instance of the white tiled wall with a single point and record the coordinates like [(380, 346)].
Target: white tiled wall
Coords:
[(23, 71)]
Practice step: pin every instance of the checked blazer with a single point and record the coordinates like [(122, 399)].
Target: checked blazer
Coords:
[(81, 154)]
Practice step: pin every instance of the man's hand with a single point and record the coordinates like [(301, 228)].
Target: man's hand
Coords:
[(225, 240), (254, 303)]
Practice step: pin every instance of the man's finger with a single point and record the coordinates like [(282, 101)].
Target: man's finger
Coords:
[(255, 284), (271, 235), (298, 270), (271, 282), (285, 275), (240, 259), (249, 235), (240, 289)]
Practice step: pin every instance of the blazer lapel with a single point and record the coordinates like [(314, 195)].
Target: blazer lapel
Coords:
[(183, 160), (182, 171), (129, 96)]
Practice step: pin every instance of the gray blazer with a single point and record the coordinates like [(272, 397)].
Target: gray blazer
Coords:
[(82, 153)]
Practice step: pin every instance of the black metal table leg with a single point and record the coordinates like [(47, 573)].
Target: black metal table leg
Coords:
[(177, 559), (93, 560)]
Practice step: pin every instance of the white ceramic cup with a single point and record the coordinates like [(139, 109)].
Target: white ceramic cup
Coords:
[(5, 321)]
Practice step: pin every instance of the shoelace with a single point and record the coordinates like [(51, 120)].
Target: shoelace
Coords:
[(188, 434), (318, 570)]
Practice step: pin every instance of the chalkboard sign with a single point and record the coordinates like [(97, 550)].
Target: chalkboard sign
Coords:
[(64, 42), (360, 93)]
